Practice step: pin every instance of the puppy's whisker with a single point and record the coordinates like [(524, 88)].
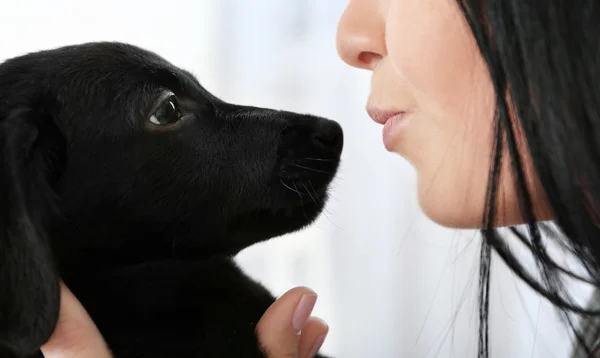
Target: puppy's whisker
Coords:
[(297, 191), (309, 194), (320, 159), (287, 186), (330, 221), (332, 197), (174, 248), (303, 210), (323, 207), (313, 189), (312, 169), (322, 201)]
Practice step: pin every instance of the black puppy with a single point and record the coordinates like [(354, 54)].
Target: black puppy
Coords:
[(123, 176)]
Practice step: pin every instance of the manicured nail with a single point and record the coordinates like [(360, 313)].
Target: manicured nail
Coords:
[(303, 311), (318, 344)]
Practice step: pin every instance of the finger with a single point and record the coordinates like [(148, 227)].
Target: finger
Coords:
[(280, 328), (76, 334), (312, 338)]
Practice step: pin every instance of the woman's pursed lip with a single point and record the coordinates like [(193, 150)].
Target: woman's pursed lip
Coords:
[(392, 120), (381, 116)]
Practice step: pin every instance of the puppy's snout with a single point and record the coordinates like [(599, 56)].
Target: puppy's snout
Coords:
[(310, 150), (329, 136)]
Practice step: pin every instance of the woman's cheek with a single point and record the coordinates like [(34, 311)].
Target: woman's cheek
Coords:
[(433, 51)]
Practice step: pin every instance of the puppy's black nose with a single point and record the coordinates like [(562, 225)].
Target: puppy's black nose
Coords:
[(328, 135), (315, 134), (310, 150)]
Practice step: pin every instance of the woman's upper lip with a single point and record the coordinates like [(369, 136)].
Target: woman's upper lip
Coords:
[(381, 116)]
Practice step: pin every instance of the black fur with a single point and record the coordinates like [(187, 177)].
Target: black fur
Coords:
[(141, 220)]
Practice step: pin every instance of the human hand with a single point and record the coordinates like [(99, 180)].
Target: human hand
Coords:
[(76, 334), (286, 330)]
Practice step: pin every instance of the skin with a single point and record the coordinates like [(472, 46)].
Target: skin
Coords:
[(425, 62)]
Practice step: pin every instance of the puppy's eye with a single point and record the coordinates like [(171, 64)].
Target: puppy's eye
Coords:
[(167, 113)]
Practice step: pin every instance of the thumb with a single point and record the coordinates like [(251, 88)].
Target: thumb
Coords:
[(287, 330)]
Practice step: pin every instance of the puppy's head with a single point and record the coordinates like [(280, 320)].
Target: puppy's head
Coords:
[(116, 154)]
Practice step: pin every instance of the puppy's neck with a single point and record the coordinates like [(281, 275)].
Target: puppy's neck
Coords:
[(85, 244)]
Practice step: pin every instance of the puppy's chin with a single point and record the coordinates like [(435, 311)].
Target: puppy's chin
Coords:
[(282, 218)]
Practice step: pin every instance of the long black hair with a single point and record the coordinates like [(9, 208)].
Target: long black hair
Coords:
[(544, 61)]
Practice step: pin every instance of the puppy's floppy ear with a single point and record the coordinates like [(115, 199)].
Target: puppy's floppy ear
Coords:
[(29, 279)]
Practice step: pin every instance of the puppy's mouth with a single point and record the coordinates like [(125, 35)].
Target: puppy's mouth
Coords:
[(305, 181), (301, 197)]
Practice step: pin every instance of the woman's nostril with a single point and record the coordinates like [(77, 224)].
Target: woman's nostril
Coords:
[(368, 58)]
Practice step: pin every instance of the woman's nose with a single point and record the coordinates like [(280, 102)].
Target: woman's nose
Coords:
[(361, 34)]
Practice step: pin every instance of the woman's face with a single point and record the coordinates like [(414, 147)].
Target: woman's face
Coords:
[(427, 69)]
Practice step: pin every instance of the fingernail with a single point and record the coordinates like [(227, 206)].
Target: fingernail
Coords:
[(303, 311), (318, 344)]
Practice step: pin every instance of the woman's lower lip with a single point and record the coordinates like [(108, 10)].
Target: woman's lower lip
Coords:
[(391, 128)]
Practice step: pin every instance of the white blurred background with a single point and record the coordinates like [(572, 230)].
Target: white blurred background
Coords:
[(390, 282)]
